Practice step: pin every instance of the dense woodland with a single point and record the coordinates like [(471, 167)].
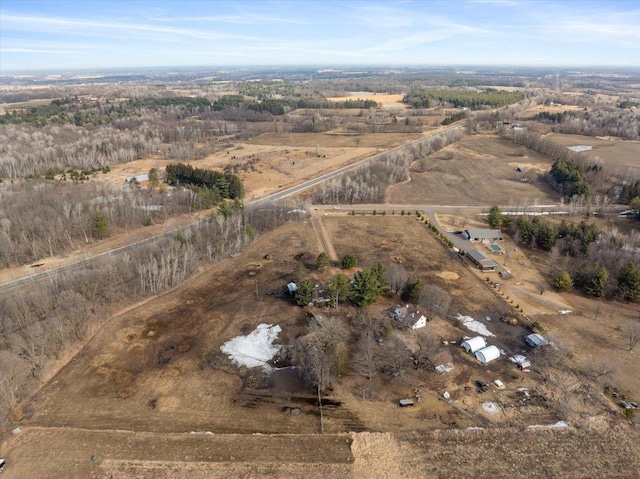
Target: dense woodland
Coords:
[(462, 98)]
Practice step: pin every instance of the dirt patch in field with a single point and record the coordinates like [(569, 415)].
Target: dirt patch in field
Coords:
[(448, 275), (387, 100)]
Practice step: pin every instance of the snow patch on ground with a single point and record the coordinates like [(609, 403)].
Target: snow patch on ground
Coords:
[(579, 148), (473, 325), (255, 349), (556, 425)]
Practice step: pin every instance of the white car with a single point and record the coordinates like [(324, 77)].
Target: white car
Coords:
[(2, 464)]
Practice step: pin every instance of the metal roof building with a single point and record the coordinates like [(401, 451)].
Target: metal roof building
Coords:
[(488, 354), (474, 344)]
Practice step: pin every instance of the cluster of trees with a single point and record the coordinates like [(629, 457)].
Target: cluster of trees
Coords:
[(538, 233), (38, 323), (223, 185), (547, 117), (462, 98), (362, 290), (630, 191), (453, 118), (334, 347), (567, 178), (594, 279)]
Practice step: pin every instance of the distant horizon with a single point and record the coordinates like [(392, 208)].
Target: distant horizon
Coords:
[(346, 67), (38, 35)]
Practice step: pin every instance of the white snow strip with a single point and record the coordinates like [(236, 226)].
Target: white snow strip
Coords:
[(579, 148), (565, 311), (556, 425), (255, 349), (473, 325)]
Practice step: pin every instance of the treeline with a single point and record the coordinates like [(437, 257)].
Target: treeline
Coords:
[(547, 117), (453, 118), (600, 121), (462, 98), (369, 182), (39, 323), (568, 179), (223, 185)]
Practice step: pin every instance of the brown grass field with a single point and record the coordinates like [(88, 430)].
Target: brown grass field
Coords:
[(481, 171), (620, 154), (157, 370), (548, 108), (387, 100)]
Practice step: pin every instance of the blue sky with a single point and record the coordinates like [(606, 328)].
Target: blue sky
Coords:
[(89, 34)]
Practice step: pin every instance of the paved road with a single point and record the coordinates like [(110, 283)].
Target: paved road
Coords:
[(83, 263)]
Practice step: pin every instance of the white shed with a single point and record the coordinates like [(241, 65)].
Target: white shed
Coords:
[(488, 354), (474, 344)]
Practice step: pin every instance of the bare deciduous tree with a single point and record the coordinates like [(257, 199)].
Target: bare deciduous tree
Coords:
[(435, 301), (397, 276), (632, 334)]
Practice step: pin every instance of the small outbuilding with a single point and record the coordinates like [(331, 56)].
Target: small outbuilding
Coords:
[(474, 344), (536, 340), (522, 362), (442, 361), (488, 354)]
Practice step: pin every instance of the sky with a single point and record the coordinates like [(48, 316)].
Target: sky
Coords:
[(93, 34)]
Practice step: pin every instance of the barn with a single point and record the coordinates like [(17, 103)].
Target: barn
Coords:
[(474, 344), (488, 354)]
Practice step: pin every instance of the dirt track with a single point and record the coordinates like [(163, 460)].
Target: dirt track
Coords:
[(493, 453)]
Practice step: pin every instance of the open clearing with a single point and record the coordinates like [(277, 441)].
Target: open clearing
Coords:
[(386, 100), (476, 170), (531, 112), (621, 154)]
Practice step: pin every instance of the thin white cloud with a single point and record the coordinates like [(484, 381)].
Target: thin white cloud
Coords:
[(71, 26), (235, 19), (498, 3)]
